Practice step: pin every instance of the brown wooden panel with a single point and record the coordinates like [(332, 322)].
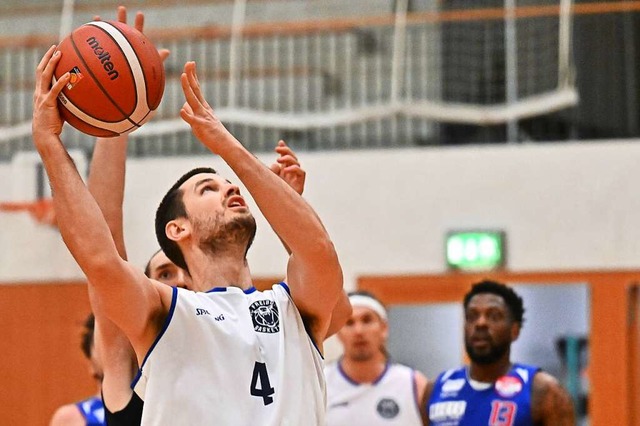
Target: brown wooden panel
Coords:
[(42, 365), (608, 355), (634, 353)]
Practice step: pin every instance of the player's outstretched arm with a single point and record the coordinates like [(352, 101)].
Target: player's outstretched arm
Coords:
[(287, 166), (551, 404), (122, 290), (106, 184), (314, 272)]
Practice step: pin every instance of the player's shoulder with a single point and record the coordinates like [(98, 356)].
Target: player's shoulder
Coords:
[(452, 373), (399, 367), (67, 415), (550, 400), (281, 288), (403, 370), (543, 381)]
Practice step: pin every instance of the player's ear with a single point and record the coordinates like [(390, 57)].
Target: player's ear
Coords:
[(515, 331), (177, 229), (385, 329)]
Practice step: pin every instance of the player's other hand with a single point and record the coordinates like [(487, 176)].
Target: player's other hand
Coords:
[(138, 25), (288, 167)]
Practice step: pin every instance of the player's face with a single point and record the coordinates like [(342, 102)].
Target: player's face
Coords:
[(165, 271), (217, 211), (364, 335), (488, 329), (211, 194)]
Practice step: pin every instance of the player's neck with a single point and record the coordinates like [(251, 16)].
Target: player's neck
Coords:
[(489, 373), (227, 269), (364, 371)]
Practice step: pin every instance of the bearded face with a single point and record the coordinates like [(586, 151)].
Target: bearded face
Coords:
[(489, 329), (218, 233), (489, 353)]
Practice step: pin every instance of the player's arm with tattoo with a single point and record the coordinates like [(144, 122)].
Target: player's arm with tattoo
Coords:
[(551, 404)]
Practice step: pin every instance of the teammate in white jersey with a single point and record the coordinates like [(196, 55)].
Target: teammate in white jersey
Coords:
[(364, 387), (255, 339)]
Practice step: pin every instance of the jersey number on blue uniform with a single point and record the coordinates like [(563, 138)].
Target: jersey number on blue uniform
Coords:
[(503, 413), (261, 378)]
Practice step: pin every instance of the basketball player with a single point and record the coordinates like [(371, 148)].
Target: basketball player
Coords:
[(122, 405), (364, 387), (106, 183), (88, 412), (493, 390), (225, 355)]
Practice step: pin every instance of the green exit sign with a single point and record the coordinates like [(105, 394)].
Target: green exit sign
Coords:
[(475, 250)]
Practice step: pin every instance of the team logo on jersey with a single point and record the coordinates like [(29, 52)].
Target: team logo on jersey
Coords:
[(265, 316), (388, 408), (507, 386), (447, 411), (452, 386)]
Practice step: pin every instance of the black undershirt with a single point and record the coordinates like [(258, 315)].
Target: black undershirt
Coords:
[(131, 415)]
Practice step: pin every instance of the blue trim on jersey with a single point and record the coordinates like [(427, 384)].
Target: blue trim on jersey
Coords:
[(288, 290), (353, 382), (223, 289), (386, 368), (90, 417), (174, 299)]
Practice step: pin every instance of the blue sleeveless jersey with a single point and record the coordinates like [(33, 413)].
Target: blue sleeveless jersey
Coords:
[(507, 402), (93, 411)]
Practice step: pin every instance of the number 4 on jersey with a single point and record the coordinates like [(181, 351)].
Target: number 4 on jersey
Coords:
[(260, 385)]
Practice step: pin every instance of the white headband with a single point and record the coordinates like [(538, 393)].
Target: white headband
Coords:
[(368, 302)]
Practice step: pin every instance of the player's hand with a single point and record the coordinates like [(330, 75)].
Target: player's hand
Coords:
[(138, 25), (288, 167), (205, 125), (46, 117)]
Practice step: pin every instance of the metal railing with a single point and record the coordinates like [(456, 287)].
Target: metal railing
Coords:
[(335, 84)]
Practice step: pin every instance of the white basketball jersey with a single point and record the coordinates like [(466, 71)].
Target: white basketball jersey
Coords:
[(390, 401), (233, 357)]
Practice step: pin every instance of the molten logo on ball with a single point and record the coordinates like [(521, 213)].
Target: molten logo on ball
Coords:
[(104, 57)]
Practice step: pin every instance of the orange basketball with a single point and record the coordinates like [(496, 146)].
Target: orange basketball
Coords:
[(117, 78)]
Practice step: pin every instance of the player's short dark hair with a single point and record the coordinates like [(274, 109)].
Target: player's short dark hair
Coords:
[(510, 297), (86, 342), (170, 208)]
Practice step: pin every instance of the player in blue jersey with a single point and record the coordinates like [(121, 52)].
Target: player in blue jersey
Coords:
[(90, 411), (493, 390)]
